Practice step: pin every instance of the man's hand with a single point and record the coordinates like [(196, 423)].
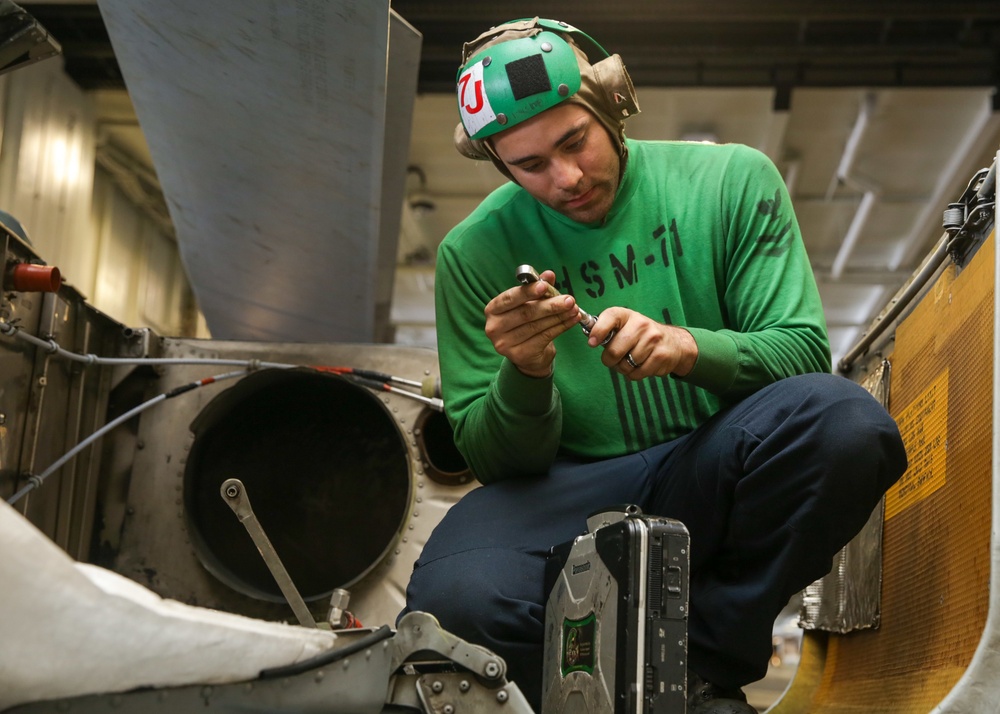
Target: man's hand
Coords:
[(643, 347), (522, 323)]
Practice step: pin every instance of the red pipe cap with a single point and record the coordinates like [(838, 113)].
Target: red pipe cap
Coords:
[(29, 278)]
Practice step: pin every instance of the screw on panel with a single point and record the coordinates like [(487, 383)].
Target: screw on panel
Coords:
[(502, 696), (437, 687), (464, 685)]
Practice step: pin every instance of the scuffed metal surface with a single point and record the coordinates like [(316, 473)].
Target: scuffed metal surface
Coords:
[(266, 121), (849, 597)]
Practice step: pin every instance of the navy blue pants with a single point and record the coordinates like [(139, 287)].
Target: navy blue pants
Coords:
[(770, 490)]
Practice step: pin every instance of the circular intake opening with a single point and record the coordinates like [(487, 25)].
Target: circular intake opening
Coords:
[(442, 460), (326, 472)]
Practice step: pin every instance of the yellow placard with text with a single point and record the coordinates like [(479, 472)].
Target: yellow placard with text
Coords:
[(923, 424)]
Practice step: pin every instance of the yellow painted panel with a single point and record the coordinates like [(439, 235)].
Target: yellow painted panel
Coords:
[(924, 428), (936, 546)]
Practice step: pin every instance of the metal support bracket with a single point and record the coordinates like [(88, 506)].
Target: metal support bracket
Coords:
[(478, 686), (458, 692), (420, 631)]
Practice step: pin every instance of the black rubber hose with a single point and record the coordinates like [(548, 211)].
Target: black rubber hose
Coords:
[(329, 656)]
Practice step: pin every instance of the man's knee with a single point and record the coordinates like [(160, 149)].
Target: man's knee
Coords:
[(485, 595), (857, 433), (851, 454)]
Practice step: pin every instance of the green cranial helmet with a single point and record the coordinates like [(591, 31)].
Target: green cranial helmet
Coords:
[(511, 81), (521, 68)]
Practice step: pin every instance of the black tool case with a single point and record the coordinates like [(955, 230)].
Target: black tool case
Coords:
[(616, 617)]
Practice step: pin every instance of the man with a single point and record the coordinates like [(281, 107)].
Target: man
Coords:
[(700, 394)]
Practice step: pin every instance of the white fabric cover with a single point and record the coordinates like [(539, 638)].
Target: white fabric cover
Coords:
[(69, 629)]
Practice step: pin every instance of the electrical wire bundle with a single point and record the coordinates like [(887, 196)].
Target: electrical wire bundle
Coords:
[(378, 381)]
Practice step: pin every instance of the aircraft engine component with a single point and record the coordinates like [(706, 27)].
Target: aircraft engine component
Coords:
[(346, 481), (325, 467)]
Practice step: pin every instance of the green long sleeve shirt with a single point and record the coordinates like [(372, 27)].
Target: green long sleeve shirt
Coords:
[(700, 236)]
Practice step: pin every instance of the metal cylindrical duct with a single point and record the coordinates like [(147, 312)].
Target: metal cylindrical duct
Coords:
[(326, 472)]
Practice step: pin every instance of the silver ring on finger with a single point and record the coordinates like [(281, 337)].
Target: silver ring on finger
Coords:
[(632, 363)]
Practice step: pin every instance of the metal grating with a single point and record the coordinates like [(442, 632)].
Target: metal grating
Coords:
[(937, 529)]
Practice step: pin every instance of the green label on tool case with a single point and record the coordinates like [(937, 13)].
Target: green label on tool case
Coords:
[(579, 648)]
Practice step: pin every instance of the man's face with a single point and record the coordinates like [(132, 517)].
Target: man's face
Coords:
[(565, 159)]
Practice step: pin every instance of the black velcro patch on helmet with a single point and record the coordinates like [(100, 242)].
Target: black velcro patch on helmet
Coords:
[(527, 76)]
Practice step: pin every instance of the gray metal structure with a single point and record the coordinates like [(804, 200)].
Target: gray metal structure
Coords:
[(278, 206), (417, 668), (134, 501)]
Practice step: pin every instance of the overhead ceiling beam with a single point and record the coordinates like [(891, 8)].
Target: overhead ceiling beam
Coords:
[(684, 43), (729, 43), (700, 11), (843, 173), (853, 233)]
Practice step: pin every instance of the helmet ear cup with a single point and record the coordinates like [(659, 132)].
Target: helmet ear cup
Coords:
[(616, 87), (480, 150), (468, 147)]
